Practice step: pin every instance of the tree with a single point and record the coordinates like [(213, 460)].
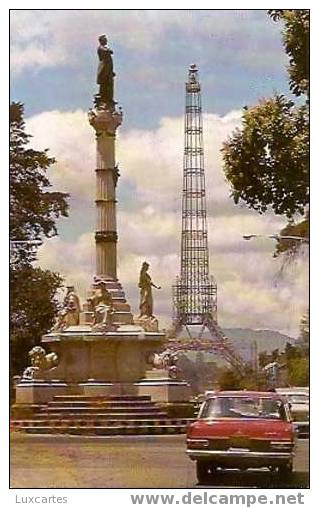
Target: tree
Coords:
[(33, 307), (300, 229), (263, 359), (229, 379), (266, 161), (298, 371), (304, 331), (296, 43), (291, 352), (33, 208), (33, 212)]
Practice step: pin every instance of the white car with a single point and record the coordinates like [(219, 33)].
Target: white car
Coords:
[(298, 398)]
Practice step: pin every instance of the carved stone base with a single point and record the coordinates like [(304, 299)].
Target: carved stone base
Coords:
[(118, 355), (149, 324), (86, 317), (34, 393), (161, 388), (165, 390), (39, 392)]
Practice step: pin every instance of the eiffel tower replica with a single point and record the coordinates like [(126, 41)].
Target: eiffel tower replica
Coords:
[(195, 290)]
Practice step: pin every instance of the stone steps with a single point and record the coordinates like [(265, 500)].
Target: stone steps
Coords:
[(99, 415), (111, 398), (118, 430), (101, 404), (130, 416), (64, 422), (98, 407)]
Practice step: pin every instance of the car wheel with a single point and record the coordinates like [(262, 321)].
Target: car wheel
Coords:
[(285, 469), (202, 471)]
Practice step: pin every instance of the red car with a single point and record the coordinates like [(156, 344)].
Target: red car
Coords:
[(241, 430)]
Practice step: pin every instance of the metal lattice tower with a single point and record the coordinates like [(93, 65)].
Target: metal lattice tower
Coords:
[(195, 291)]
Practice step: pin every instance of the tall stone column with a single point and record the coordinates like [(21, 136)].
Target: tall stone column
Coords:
[(105, 119), (105, 122)]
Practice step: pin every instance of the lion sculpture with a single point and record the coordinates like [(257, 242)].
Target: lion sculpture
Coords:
[(40, 362), (166, 360)]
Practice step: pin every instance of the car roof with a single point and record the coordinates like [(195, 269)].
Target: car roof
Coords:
[(244, 393)]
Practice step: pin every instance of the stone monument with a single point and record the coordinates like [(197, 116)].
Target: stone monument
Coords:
[(98, 348)]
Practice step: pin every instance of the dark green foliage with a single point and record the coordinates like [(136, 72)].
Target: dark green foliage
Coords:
[(266, 161), (298, 371), (295, 358), (294, 229), (296, 42), (33, 308), (304, 332), (231, 379), (263, 359), (33, 211)]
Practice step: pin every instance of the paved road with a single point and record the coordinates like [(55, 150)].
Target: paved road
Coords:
[(133, 461)]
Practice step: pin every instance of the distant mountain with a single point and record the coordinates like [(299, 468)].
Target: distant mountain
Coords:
[(249, 342), (266, 340)]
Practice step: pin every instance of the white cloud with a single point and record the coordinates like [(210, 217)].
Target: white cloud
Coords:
[(250, 291), (70, 140), (35, 54), (45, 38)]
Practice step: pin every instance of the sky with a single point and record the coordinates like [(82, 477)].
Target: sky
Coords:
[(240, 58)]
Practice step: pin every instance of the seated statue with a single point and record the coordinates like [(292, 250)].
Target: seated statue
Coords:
[(69, 315), (101, 305)]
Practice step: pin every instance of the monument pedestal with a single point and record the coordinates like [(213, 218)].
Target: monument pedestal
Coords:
[(162, 388), (102, 364), (106, 362), (92, 362)]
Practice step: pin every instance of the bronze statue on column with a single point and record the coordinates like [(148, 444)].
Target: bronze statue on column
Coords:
[(105, 74)]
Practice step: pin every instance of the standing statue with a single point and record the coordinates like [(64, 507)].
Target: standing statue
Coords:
[(70, 313), (101, 304), (146, 297), (105, 74)]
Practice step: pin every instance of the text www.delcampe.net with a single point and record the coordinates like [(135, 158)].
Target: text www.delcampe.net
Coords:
[(205, 498)]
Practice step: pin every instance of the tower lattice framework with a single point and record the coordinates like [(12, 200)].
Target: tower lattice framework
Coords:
[(195, 290)]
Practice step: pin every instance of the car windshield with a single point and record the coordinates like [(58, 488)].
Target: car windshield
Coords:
[(244, 407), (299, 398)]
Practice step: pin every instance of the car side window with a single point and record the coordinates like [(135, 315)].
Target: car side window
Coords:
[(205, 408), (282, 412), (288, 412)]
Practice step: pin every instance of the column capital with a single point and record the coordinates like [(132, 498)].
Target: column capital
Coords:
[(105, 121)]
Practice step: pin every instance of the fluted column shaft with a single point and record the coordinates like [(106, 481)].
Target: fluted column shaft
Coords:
[(106, 234), (105, 123)]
